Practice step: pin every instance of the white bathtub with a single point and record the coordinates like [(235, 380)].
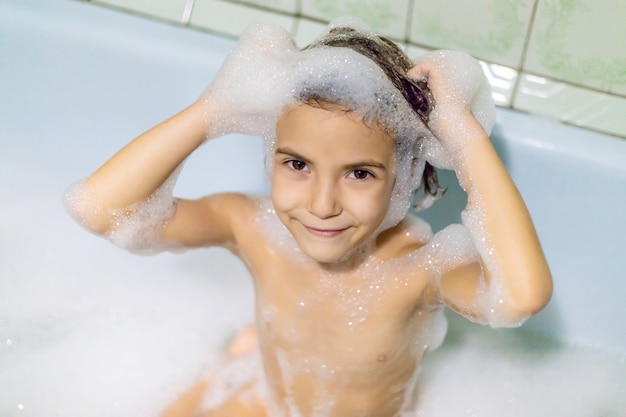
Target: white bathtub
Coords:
[(83, 325)]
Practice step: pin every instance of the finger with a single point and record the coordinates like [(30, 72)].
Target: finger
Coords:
[(420, 71)]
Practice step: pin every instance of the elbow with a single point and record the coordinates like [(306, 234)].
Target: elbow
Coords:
[(539, 296), (535, 289), (93, 223), (82, 206), (527, 301)]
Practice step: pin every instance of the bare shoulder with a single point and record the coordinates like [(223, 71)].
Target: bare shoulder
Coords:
[(407, 237), (214, 220)]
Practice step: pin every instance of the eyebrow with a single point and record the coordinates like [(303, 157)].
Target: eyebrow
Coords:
[(290, 152), (369, 163)]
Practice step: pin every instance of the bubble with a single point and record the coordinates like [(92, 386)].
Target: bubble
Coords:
[(266, 65), (137, 228)]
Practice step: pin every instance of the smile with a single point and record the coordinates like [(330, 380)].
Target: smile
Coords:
[(327, 233)]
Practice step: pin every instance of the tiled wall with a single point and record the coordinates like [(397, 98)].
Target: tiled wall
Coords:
[(564, 59)]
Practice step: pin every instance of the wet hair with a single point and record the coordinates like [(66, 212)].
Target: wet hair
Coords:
[(395, 64)]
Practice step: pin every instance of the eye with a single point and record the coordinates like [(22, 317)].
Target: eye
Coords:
[(360, 174), (296, 165)]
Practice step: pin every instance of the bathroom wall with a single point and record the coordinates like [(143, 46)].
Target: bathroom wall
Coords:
[(563, 59)]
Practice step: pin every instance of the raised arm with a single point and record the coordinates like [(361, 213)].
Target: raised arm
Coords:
[(129, 199), (510, 279), (136, 171)]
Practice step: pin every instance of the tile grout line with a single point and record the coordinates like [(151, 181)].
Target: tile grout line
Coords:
[(409, 22), (186, 17), (520, 65)]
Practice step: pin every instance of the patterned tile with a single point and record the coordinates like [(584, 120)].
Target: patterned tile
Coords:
[(415, 52), (580, 41), (388, 17), (574, 66), (492, 30), (287, 6), (307, 31), (171, 10), (231, 18)]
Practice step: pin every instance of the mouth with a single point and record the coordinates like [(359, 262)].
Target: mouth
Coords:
[(326, 233)]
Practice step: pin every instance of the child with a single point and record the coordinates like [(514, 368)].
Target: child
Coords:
[(349, 288)]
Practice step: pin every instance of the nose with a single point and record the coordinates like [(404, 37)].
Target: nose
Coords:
[(323, 199)]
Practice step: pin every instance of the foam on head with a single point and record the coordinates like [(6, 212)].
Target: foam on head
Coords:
[(331, 70), (285, 76), (466, 87), (345, 77)]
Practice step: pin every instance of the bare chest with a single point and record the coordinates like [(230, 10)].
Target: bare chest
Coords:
[(371, 316)]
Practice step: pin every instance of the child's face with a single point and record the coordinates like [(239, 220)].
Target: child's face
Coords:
[(332, 179)]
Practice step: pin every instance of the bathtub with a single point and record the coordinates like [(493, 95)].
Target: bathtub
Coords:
[(89, 330)]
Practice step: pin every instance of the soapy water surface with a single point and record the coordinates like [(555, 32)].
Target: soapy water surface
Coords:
[(88, 330)]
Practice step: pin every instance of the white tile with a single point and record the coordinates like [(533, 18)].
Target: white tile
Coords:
[(577, 106), (287, 6), (415, 52), (231, 19), (583, 42), (502, 80), (171, 10), (307, 31), (388, 17), (492, 30)]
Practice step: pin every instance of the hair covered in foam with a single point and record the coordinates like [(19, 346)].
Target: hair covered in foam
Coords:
[(343, 76), (347, 65)]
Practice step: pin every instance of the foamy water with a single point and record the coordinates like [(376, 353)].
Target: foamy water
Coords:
[(89, 330)]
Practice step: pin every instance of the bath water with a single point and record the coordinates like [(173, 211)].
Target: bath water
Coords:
[(88, 330)]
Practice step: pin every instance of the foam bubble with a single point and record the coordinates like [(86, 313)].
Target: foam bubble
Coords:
[(238, 102), (517, 373), (465, 87), (253, 85), (137, 228), (265, 74), (276, 232)]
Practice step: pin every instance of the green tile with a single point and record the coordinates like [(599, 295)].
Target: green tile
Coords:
[(307, 31), (171, 10), (492, 30), (580, 41), (287, 6), (231, 19), (415, 52), (388, 17)]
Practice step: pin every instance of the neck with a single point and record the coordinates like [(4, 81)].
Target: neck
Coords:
[(353, 259)]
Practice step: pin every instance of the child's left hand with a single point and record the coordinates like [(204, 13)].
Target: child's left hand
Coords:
[(462, 96)]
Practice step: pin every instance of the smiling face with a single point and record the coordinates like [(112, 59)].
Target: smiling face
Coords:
[(332, 179)]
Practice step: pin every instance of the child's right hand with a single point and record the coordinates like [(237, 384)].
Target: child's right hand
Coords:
[(249, 90)]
